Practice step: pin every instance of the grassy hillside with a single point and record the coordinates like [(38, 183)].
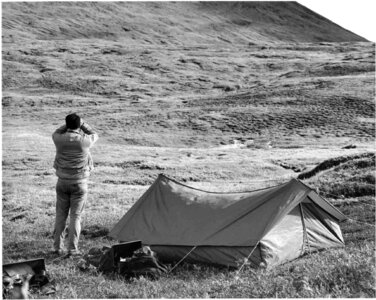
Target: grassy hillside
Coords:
[(172, 23), (224, 96), (193, 81)]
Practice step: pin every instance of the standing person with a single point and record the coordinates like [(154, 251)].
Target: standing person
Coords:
[(73, 164)]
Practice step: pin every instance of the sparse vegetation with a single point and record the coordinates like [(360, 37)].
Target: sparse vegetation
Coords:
[(71, 85)]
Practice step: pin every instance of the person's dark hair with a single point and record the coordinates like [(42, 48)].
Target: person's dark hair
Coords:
[(73, 121)]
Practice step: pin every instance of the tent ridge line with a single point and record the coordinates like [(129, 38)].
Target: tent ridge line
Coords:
[(223, 193)]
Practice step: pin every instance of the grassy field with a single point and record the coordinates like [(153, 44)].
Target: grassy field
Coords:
[(218, 108), (28, 217)]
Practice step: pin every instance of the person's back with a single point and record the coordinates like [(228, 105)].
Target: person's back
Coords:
[(73, 164), (73, 160)]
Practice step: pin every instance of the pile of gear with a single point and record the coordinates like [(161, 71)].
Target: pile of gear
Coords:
[(22, 278), (143, 262), (129, 259), (16, 287), (125, 260)]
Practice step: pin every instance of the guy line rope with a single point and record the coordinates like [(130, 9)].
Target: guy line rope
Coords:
[(246, 260), (193, 248), (361, 222)]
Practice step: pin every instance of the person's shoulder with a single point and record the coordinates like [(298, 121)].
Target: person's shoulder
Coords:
[(58, 134)]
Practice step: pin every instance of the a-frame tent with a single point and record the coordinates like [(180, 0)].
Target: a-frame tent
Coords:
[(274, 225)]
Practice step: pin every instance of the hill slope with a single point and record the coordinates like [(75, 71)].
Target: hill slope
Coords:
[(187, 73), (180, 23)]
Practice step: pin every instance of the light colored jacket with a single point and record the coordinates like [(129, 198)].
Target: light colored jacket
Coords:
[(73, 160)]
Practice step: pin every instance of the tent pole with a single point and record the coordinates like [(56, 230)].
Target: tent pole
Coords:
[(246, 260), (182, 259), (305, 236)]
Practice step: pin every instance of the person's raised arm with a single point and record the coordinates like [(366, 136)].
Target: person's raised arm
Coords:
[(88, 130)]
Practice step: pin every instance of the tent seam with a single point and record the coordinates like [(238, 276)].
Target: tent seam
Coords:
[(305, 235)]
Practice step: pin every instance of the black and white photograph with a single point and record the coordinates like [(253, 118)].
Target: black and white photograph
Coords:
[(188, 149)]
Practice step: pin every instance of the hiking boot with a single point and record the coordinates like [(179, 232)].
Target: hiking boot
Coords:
[(59, 252), (74, 253)]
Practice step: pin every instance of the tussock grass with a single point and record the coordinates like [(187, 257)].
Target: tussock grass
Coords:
[(330, 163), (345, 176)]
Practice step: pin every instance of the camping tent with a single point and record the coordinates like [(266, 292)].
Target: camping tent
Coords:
[(274, 225)]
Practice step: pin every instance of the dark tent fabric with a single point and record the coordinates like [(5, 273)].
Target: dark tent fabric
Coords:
[(282, 222)]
